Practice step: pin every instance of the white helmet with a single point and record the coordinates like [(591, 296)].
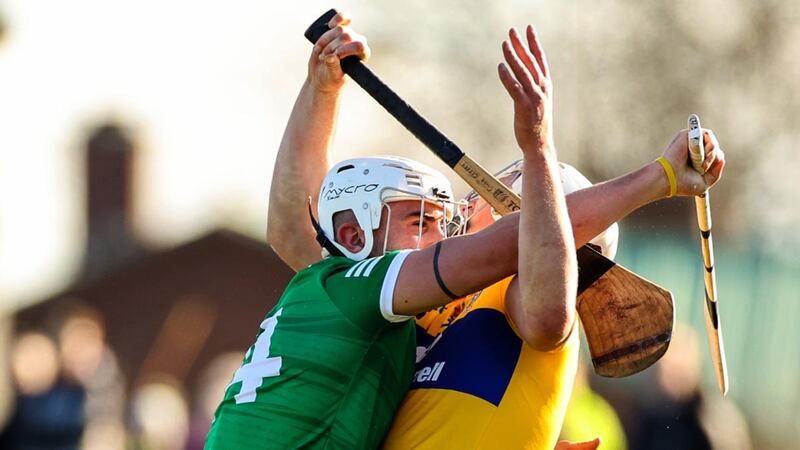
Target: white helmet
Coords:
[(572, 180), (365, 185)]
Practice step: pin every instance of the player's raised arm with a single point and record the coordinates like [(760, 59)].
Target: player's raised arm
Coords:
[(538, 242), (595, 208), (541, 300), (304, 154)]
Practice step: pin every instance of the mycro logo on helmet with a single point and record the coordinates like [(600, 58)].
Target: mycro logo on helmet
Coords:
[(334, 192)]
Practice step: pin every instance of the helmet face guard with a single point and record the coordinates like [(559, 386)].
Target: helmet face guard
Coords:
[(511, 176), (367, 186), (572, 180)]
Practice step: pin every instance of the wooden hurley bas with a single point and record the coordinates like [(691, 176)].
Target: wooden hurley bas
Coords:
[(628, 320)]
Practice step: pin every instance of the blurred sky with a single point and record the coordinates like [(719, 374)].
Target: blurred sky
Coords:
[(195, 80), (206, 89)]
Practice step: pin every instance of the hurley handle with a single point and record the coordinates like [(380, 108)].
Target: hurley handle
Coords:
[(502, 199), (697, 154), (319, 27), (697, 151), (703, 207), (420, 127)]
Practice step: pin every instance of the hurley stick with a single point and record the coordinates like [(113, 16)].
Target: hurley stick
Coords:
[(627, 319), (703, 206)]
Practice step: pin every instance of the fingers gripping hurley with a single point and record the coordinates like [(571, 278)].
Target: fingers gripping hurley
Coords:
[(503, 199), (613, 299), (703, 207)]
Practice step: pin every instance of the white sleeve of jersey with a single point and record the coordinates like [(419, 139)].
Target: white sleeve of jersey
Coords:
[(387, 290)]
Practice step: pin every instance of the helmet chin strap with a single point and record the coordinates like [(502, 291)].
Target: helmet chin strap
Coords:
[(333, 248), (321, 238)]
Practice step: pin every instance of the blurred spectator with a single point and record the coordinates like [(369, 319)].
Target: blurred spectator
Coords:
[(34, 363), (87, 360), (69, 393), (589, 416), (80, 340), (211, 388), (682, 416), (6, 387), (104, 434), (48, 408), (160, 416)]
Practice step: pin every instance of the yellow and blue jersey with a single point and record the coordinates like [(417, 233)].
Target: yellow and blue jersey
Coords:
[(478, 385)]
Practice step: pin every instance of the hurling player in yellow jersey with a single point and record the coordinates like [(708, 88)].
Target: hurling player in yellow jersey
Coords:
[(485, 377), (474, 367), (501, 373)]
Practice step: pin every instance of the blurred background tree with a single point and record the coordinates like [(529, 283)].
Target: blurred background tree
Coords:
[(2, 27), (626, 76)]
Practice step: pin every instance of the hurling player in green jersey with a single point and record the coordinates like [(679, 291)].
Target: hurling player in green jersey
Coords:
[(334, 358)]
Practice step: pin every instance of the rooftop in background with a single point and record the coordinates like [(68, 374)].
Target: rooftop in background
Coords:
[(171, 312), (175, 300)]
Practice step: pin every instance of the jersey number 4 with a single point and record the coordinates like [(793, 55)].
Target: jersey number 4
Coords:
[(261, 365)]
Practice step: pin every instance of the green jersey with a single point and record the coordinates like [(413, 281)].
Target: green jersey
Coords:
[(329, 366)]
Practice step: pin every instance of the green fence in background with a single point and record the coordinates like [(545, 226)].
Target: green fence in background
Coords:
[(759, 298)]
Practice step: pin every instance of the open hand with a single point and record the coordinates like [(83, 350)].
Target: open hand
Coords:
[(526, 77)]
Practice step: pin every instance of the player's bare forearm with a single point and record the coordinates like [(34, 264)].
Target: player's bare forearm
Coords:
[(544, 310), (302, 162), (595, 208), (466, 264), (541, 300)]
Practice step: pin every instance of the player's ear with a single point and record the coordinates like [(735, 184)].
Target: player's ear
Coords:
[(350, 236)]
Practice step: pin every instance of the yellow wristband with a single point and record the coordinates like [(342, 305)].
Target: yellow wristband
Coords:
[(673, 182)]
